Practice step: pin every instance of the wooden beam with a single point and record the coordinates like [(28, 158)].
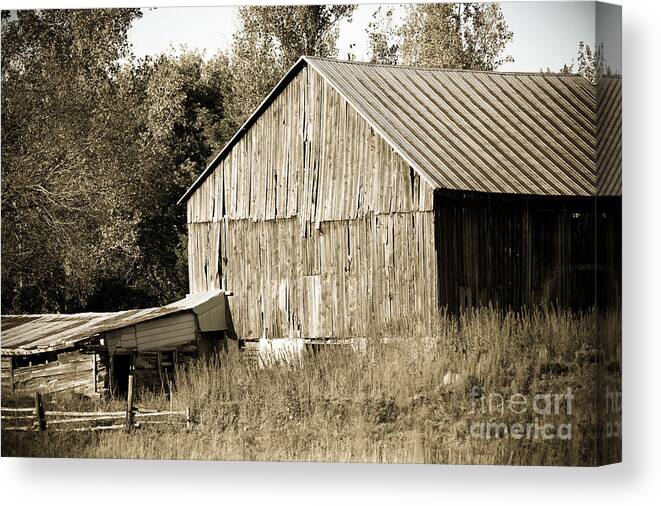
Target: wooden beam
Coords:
[(129, 404)]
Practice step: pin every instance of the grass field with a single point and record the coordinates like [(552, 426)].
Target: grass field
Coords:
[(400, 398)]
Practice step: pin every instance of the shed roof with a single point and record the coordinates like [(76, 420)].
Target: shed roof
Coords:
[(30, 334), (529, 133)]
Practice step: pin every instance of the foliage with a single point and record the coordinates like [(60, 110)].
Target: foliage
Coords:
[(97, 146), (96, 150), (460, 36), (382, 33), (589, 63), (270, 41), (67, 156), (184, 126)]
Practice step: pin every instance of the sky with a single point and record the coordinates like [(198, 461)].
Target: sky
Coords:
[(546, 34)]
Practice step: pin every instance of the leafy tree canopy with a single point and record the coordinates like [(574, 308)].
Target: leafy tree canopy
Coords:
[(66, 142), (96, 150), (589, 63), (450, 35)]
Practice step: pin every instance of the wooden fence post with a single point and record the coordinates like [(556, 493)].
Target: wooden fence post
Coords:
[(189, 420), (129, 404), (39, 412), (171, 395)]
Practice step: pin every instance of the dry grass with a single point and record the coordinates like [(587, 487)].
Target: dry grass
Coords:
[(386, 403)]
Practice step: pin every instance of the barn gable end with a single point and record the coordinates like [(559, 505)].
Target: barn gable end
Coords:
[(310, 155), (316, 224)]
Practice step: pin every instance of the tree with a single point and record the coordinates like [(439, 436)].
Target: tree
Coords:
[(67, 155), (96, 150), (294, 31), (270, 41), (589, 63), (382, 37), (454, 35), (98, 147), (183, 112)]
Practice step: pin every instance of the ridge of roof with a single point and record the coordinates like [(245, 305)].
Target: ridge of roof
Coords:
[(444, 69)]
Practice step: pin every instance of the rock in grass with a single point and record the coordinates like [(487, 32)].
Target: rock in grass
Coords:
[(451, 378)]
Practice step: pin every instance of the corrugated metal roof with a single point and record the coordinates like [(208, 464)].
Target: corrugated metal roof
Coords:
[(48, 332), (479, 131), (609, 136), (530, 133)]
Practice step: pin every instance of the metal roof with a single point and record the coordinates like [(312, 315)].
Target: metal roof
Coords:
[(529, 133), (609, 136), (29, 334)]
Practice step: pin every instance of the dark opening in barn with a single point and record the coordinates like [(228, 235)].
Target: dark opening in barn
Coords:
[(513, 251), (120, 369)]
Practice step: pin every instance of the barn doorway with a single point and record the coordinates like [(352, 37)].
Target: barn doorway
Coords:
[(120, 370), (514, 251)]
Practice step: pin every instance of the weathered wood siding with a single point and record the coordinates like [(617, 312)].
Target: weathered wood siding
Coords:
[(75, 371), (7, 383), (121, 340), (204, 249), (311, 156), (342, 280), (165, 333), (322, 230)]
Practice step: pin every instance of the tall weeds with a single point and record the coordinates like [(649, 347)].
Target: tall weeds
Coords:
[(396, 397)]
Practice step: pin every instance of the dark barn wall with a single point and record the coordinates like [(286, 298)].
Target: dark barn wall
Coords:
[(516, 250), (609, 252)]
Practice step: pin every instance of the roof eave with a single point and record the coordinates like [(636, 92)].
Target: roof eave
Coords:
[(24, 352)]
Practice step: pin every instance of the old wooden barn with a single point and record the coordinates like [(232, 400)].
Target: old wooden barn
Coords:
[(93, 353), (361, 196)]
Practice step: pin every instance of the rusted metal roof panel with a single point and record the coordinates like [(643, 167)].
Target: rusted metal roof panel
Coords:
[(49, 332), (11, 321)]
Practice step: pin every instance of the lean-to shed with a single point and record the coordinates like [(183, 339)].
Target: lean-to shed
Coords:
[(92, 353), (360, 196)]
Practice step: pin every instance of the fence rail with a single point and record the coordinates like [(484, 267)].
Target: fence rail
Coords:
[(133, 417)]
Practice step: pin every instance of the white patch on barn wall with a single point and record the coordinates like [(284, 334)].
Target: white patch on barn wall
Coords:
[(283, 295), (284, 350)]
